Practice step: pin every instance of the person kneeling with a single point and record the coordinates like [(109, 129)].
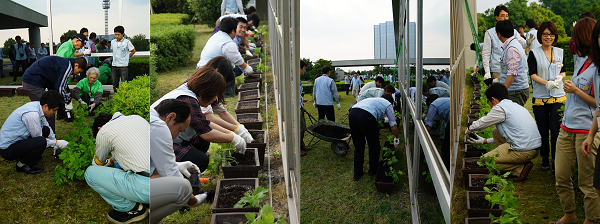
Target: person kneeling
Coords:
[(515, 136), (89, 90)]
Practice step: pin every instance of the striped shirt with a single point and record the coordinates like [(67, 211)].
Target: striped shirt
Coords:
[(127, 138), (512, 58)]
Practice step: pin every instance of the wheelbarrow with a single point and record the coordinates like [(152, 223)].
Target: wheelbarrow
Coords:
[(339, 143)]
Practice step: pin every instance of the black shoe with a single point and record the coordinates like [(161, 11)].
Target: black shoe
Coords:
[(552, 166), (357, 177), (372, 173), (545, 164), (210, 196), (29, 170), (136, 214)]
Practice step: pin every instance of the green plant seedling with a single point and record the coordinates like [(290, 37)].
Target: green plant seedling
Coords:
[(265, 215), (252, 200)]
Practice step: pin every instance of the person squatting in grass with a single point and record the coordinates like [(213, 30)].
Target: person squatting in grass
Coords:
[(26, 133), (324, 93), (192, 145), (363, 118), (127, 139), (440, 91), (53, 72), (170, 190), (122, 50), (89, 90), (515, 136), (225, 119), (377, 83), (439, 107), (432, 82), (577, 128)]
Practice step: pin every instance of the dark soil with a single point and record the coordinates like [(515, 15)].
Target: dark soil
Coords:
[(231, 194), (246, 159), (332, 131), (248, 106), (479, 182), (472, 135), (241, 222), (258, 137), (480, 203), (249, 97), (247, 86), (472, 165), (247, 120)]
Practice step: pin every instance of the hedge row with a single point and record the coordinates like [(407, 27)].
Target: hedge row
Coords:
[(169, 18), (174, 44), (133, 97), (341, 86), (138, 67)]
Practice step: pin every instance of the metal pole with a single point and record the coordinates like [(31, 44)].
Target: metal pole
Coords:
[(419, 103), (49, 11), (120, 12)]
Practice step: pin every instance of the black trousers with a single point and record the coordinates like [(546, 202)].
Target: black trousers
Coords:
[(347, 88), (28, 151), (326, 111), (197, 153), (445, 153), (548, 119), (85, 97), (363, 124), (19, 63)]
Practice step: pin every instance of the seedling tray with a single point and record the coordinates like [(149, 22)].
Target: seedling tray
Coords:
[(232, 217), (471, 151), (472, 186), (257, 124), (256, 77), (225, 182), (244, 107), (242, 171)]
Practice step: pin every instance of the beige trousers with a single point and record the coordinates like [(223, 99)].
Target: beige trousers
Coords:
[(510, 159), (568, 154), (355, 92)]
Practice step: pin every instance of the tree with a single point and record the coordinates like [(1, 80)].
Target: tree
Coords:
[(70, 34), (140, 42), (569, 10), (317, 68), (309, 66), (171, 6), (540, 14), (207, 11), (7, 44), (594, 9)]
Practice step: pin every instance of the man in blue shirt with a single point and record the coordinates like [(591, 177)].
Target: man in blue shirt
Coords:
[(324, 93), (20, 58), (347, 81), (440, 107)]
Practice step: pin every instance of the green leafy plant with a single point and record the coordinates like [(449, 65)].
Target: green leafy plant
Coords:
[(389, 158), (427, 177), (257, 50), (219, 156), (265, 216), (262, 68), (501, 193), (132, 98), (252, 200)]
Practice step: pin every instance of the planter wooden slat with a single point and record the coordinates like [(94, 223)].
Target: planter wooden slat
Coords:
[(249, 86), (21, 92), (476, 188), (259, 145), (383, 183), (243, 94), (8, 92), (476, 212), (224, 182), (471, 151), (256, 77), (478, 220), (250, 125), (255, 109), (242, 171), (466, 172), (232, 217)]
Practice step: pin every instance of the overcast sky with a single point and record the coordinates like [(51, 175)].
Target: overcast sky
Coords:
[(343, 29), (89, 13)]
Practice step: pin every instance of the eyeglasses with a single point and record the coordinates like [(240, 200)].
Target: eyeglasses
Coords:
[(548, 34)]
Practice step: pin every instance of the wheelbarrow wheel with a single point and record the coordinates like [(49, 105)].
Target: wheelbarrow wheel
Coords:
[(340, 148)]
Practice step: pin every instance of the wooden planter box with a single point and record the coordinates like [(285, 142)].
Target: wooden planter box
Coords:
[(256, 77), (225, 182), (257, 124), (466, 171), (473, 103), (249, 86), (254, 62), (478, 212), (232, 217), (259, 145), (479, 220), (474, 106), (7, 92), (244, 95), (105, 93), (477, 87), (477, 97), (476, 188), (254, 56), (383, 183), (21, 92), (472, 119), (254, 104), (242, 171), (471, 151), (474, 111)]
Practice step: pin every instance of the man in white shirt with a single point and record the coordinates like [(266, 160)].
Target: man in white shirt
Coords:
[(377, 83)]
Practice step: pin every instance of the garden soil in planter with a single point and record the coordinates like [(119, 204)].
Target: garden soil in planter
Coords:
[(478, 220), (472, 151), (259, 142), (383, 183), (229, 192), (332, 131), (477, 206), (245, 107), (231, 218), (250, 121), (469, 166), (477, 182), (249, 86), (245, 165), (249, 95)]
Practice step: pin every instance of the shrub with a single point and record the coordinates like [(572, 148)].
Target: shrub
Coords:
[(140, 42), (170, 6), (138, 67), (174, 44), (154, 95), (132, 98), (208, 11), (169, 18)]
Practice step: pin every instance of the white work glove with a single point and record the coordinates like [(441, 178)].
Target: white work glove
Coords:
[(60, 144), (91, 107), (477, 140), (487, 75), (551, 85), (201, 198), (187, 168), (339, 106), (530, 40), (82, 102), (87, 52), (249, 70), (315, 104), (69, 107), (396, 142), (386, 120), (243, 132), (495, 81), (238, 143), (252, 45), (558, 79), (467, 131), (248, 53)]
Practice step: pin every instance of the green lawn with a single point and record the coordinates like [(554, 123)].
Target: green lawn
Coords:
[(328, 194), (539, 202), (36, 198)]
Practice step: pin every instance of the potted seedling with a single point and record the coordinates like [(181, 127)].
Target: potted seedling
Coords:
[(386, 174), (265, 216), (237, 165), (229, 192)]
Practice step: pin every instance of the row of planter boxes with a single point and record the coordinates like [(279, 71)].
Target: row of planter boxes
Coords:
[(9, 92)]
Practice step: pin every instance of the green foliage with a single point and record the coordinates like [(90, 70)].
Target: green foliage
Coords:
[(69, 34), (132, 98), (257, 50), (593, 8), (174, 44), (78, 154), (563, 42), (170, 6), (252, 200), (569, 10), (7, 44), (316, 68), (265, 216), (154, 94), (140, 42), (484, 109), (389, 158), (169, 19), (309, 66), (216, 158), (427, 177), (501, 193), (207, 11), (138, 67), (341, 86), (261, 68)]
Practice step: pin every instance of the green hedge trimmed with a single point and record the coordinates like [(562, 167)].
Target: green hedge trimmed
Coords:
[(133, 98), (169, 18), (341, 86), (174, 45), (138, 67)]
